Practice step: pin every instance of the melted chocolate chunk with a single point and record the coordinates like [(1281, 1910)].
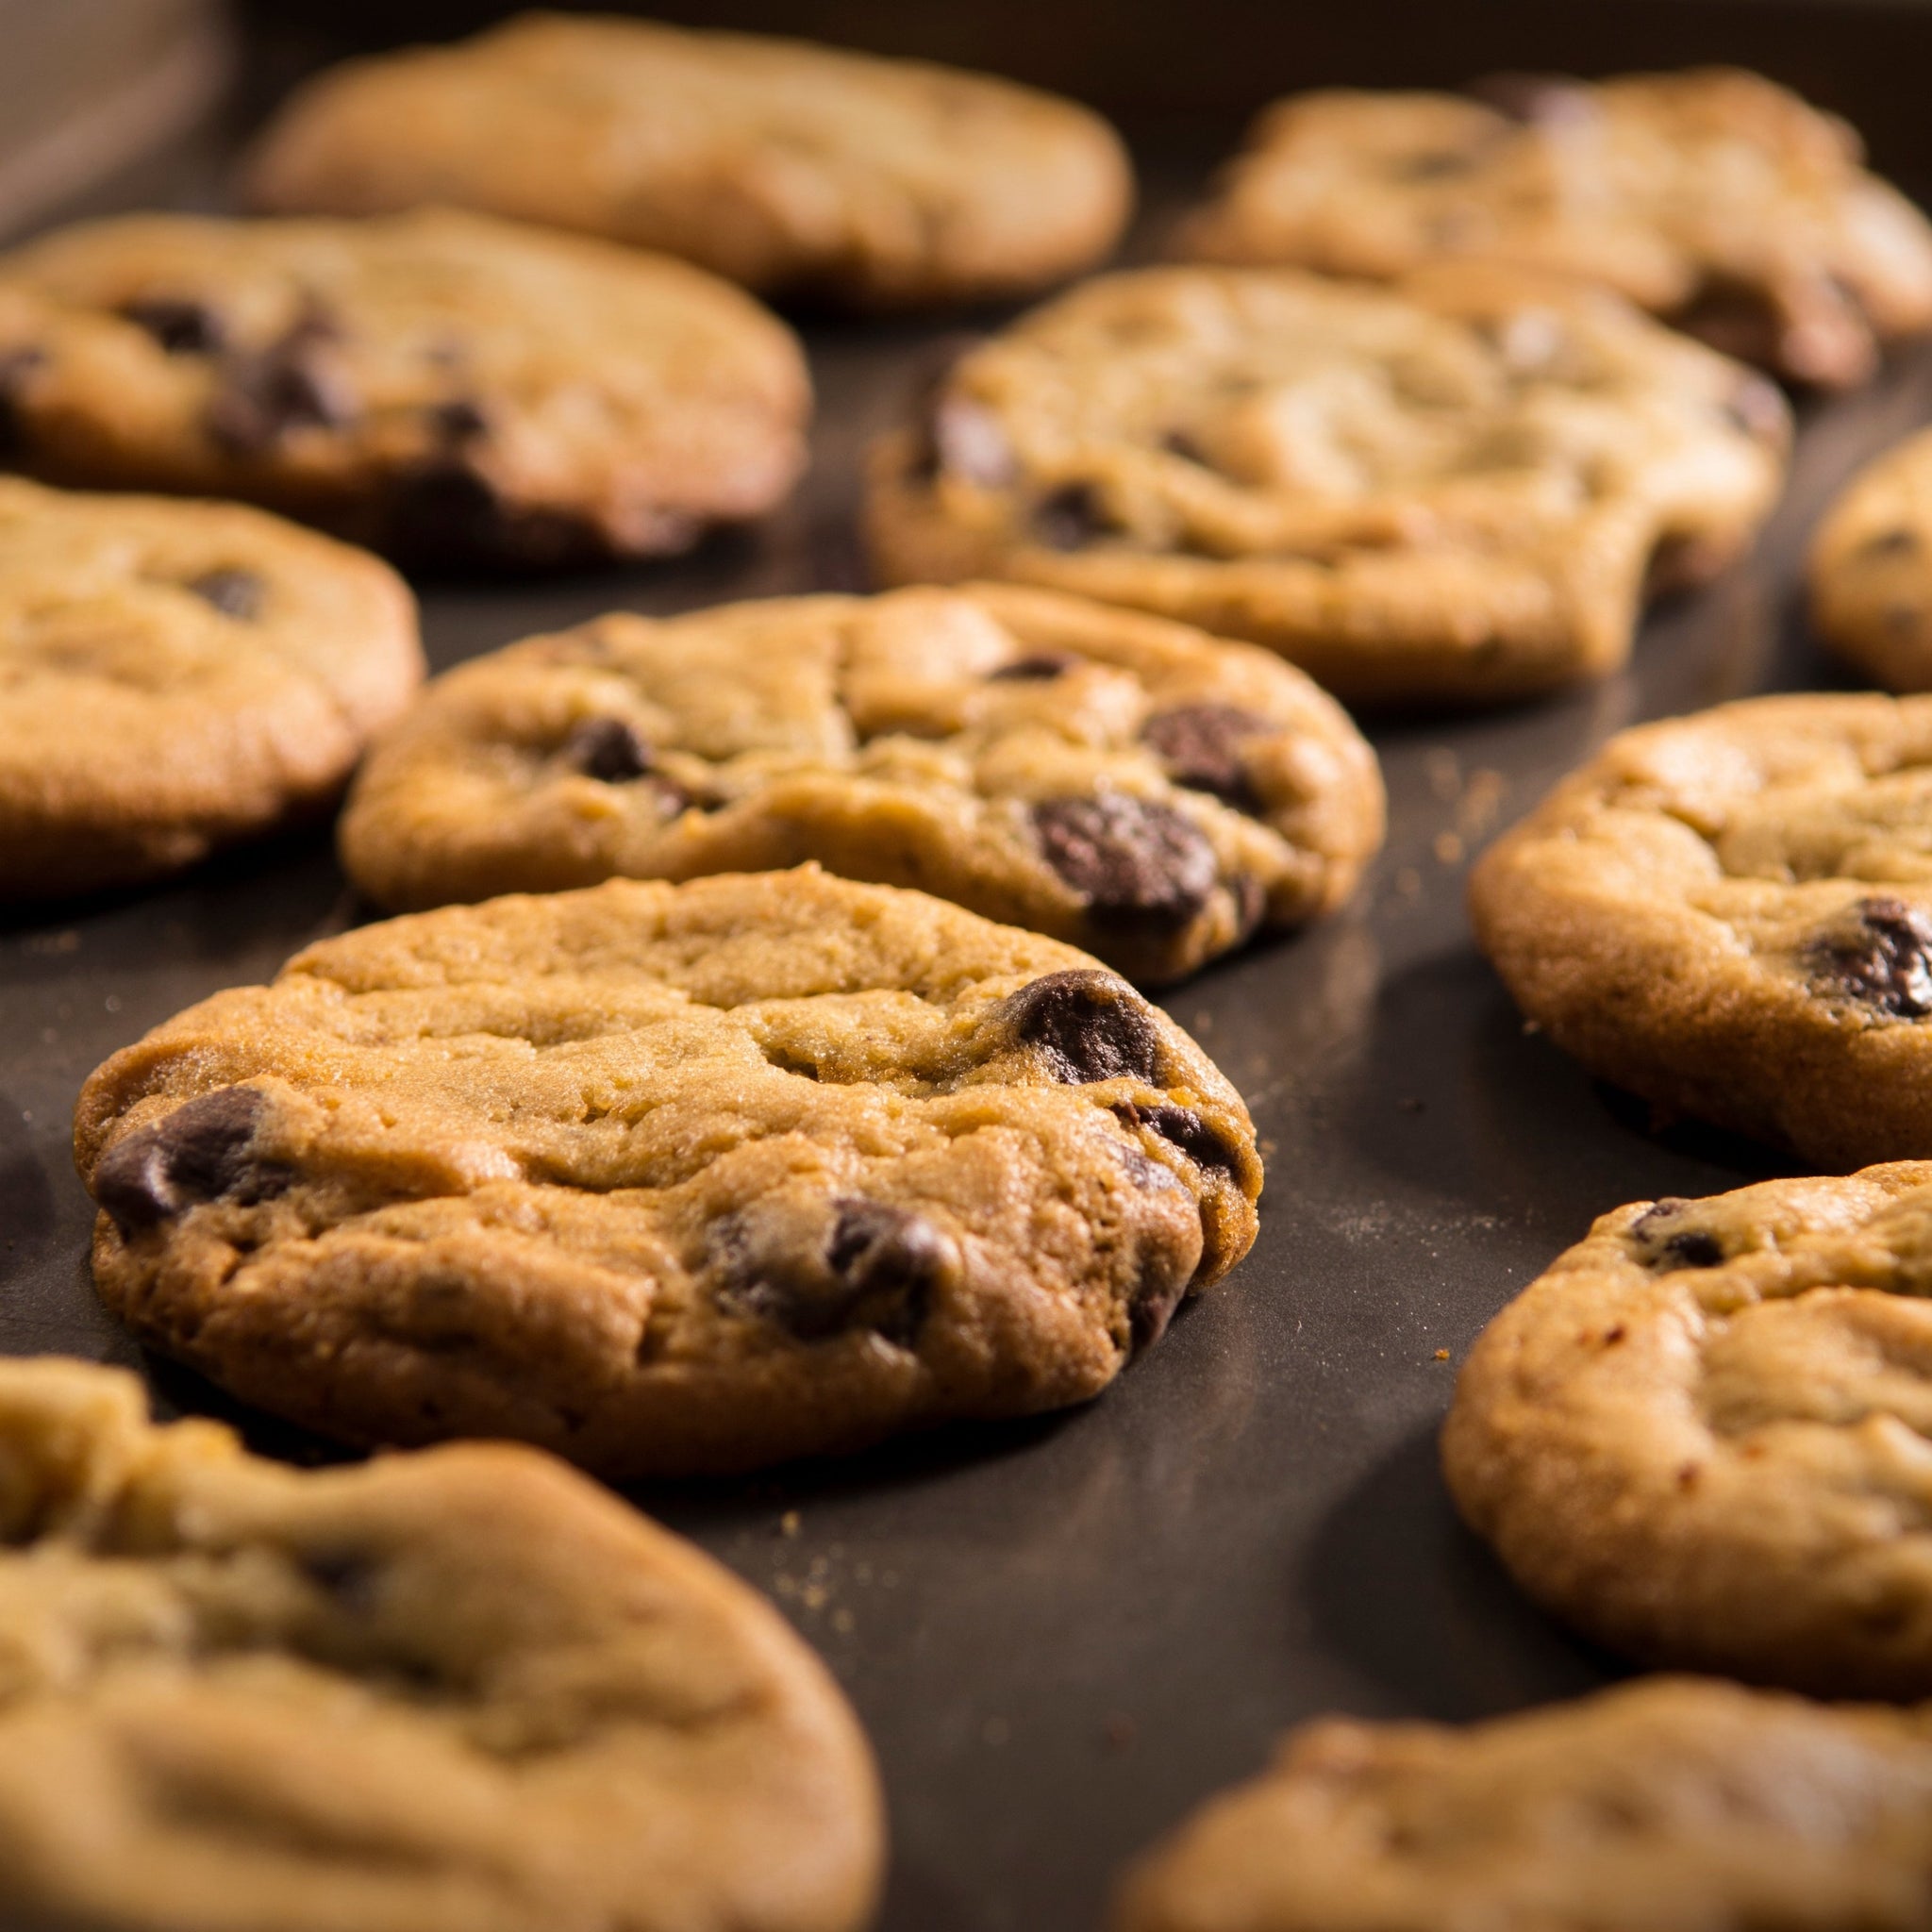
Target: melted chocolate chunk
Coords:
[(183, 327), (350, 1576), (1086, 1025), (1156, 1296), (1201, 745), (459, 421), (1184, 1129), (1884, 961), (290, 384), (1071, 518), (1128, 858), (236, 593), (17, 367), (1038, 667), (608, 749), (1538, 100), (878, 1269), (1678, 1248), (198, 1152)]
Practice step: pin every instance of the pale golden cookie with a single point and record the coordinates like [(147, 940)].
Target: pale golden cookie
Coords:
[(1731, 915), (1456, 490), (458, 1691), (178, 675), (450, 388), (1712, 197), (774, 162), (1674, 1805), (1871, 569), (1142, 790), (1701, 1436), (667, 1178)]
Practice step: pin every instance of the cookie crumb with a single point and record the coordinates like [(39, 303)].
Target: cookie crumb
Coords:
[(1442, 1355)]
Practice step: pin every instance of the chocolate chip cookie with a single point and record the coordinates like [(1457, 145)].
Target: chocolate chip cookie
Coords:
[(459, 1691), (1677, 1805), (446, 387), (1871, 569), (1731, 915), (1452, 489), (177, 675), (777, 163), (667, 1178), (1712, 197), (1140, 790), (1700, 1436)]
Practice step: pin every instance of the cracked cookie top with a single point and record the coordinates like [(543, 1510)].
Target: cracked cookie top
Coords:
[(1701, 1436), (1455, 488), (774, 162), (1142, 790), (1730, 914), (1673, 1803), (447, 386), (457, 1691), (667, 1178), (1713, 197), (174, 675)]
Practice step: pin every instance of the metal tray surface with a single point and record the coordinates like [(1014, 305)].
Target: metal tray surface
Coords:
[(1063, 1634)]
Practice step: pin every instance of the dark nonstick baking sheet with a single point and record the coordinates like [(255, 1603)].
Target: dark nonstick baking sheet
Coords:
[(1063, 1634)]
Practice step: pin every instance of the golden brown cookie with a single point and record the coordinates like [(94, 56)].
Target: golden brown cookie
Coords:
[(458, 1691), (1137, 789), (774, 162), (1457, 489), (1714, 198), (450, 388), (1675, 1805), (178, 675), (667, 1178), (1700, 1436), (1731, 915), (1871, 569)]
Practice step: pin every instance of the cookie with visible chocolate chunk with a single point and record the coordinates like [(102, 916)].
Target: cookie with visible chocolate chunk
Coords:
[(449, 388), (777, 163), (1731, 915), (1714, 198), (1672, 1805), (1699, 1436), (464, 1690), (1871, 569), (1458, 488), (1140, 790), (667, 1178), (176, 677)]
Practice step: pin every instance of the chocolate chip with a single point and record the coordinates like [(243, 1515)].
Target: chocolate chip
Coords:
[(1898, 542), (1038, 667), (17, 367), (198, 1152), (1151, 1307), (1884, 961), (182, 326), (1201, 747), (1128, 858), (878, 1269), (1071, 518), (1436, 165), (1694, 1250), (459, 420), (236, 593), (1184, 1129), (290, 384), (608, 749), (1086, 1025), (1676, 1247), (348, 1576), (1738, 319), (1538, 100), (1179, 443)]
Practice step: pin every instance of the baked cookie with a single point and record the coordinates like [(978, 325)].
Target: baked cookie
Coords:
[(1670, 1805), (667, 1178), (1713, 198), (1699, 1436), (1731, 915), (446, 387), (1871, 569), (779, 165), (1454, 490), (1140, 790), (459, 1691), (175, 675)]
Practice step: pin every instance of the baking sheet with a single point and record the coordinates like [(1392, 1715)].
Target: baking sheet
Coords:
[(1062, 1634)]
